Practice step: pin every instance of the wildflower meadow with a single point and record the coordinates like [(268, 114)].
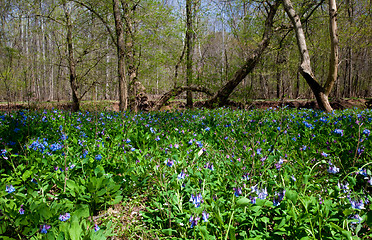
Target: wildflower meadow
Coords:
[(197, 174)]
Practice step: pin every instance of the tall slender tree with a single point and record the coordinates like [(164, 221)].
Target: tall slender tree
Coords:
[(321, 92)]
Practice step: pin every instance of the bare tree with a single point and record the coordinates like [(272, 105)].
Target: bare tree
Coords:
[(321, 92)]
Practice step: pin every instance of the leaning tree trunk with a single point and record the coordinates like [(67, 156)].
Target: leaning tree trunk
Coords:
[(321, 93), (71, 61), (177, 91), (220, 98), (120, 46)]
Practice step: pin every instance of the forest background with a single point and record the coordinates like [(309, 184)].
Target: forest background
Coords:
[(62, 50)]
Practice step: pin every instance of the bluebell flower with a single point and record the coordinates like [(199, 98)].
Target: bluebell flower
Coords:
[(366, 132), (324, 154), (245, 176), (339, 131), (34, 181), (196, 199), (356, 217), (169, 162), (308, 125), (157, 138), (343, 187), (207, 129), (194, 221), (199, 144), (259, 151), (253, 199), (356, 204), (205, 216), (64, 217), (128, 140), (293, 178), (278, 198), (182, 175), (209, 166), (98, 157), (262, 194), (152, 130), (333, 169), (363, 172), (85, 153), (44, 228), (96, 227), (21, 210), (9, 189), (370, 181), (237, 191)]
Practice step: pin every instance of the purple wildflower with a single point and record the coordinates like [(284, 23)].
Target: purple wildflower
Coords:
[(253, 199), (259, 151), (21, 210), (262, 194), (237, 191), (96, 227), (339, 131), (245, 176), (44, 228), (363, 172), (9, 189), (293, 178), (343, 187), (196, 199), (324, 154), (356, 204), (205, 216), (278, 198), (194, 221), (366, 132), (209, 166), (333, 169), (182, 175), (356, 217), (64, 217), (169, 162)]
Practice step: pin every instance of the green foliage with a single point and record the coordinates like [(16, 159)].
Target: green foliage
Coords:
[(211, 174)]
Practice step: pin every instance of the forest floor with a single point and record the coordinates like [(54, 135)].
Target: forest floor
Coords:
[(338, 104)]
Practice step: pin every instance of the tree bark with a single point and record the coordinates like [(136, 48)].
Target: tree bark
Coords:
[(177, 91), (71, 61), (221, 96), (189, 50), (120, 46), (321, 93)]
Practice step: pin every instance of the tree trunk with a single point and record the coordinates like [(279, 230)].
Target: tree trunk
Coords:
[(71, 61), (120, 46), (177, 91), (130, 54), (321, 93), (189, 50), (220, 98)]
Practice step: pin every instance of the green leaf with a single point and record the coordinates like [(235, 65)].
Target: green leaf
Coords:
[(75, 229), (82, 211), (243, 202), (168, 231), (292, 195)]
